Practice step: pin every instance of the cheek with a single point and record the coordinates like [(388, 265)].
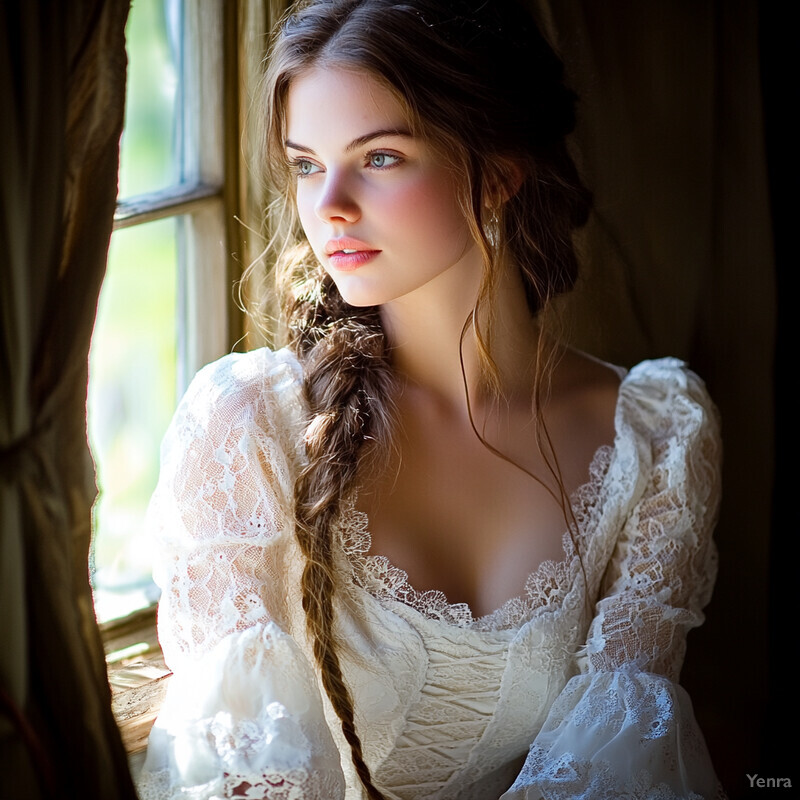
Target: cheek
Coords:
[(305, 207), (431, 206), (310, 222)]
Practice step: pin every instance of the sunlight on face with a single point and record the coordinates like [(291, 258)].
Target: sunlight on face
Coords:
[(379, 208)]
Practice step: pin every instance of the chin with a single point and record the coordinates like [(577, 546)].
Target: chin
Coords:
[(358, 301), (356, 294)]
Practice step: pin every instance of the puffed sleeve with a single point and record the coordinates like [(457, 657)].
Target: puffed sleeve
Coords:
[(243, 715), (624, 727)]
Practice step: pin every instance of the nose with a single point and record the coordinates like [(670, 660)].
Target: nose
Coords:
[(337, 202)]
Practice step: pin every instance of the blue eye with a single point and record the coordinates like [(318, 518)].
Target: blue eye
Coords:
[(382, 160), (302, 167)]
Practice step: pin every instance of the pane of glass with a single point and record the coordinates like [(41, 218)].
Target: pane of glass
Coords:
[(149, 145), (132, 395)]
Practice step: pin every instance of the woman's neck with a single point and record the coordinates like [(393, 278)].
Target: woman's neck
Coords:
[(425, 328)]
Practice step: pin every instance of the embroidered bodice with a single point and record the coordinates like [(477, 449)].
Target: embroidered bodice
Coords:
[(570, 690)]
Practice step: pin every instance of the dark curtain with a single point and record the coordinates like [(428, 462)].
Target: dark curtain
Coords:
[(62, 86)]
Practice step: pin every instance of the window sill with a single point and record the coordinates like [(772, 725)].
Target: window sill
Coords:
[(137, 675)]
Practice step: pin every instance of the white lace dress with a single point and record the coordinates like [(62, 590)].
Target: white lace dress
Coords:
[(555, 695)]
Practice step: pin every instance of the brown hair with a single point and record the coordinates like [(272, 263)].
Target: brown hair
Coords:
[(483, 87)]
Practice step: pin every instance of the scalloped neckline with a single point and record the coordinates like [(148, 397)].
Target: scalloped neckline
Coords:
[(545, 587)]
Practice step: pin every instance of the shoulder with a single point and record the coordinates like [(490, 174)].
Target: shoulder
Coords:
[(668, 434), (241, 379), (665, 398), (580, 412), (585, 391), (257, 381), (241, 393), (655, 401)]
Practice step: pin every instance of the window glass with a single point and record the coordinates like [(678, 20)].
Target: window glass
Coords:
[(149, 145), (132, 395), (162, 310)]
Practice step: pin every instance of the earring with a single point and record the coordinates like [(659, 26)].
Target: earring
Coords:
[(492, 228)]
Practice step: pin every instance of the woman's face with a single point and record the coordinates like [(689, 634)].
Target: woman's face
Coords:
[(378, 206)]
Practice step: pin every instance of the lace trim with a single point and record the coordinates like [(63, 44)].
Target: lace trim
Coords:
[(571, 776), (299, 784), (546, 587)]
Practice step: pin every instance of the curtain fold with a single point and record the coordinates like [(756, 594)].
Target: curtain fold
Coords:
[(62, 99)]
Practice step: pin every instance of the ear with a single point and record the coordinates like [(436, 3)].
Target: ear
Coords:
[(503, 182)]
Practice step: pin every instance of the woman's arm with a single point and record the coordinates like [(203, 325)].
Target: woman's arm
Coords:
[(624, 727), (243, 715)]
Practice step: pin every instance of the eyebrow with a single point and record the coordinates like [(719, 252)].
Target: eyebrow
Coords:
[(358, 142)]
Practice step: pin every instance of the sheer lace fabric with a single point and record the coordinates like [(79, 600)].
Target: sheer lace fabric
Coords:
[(568, 691)]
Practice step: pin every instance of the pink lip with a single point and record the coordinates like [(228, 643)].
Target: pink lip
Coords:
[(362, 253)]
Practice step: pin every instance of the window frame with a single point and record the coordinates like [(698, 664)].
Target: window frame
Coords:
[(208, 201), (202, 197), (205, 198)]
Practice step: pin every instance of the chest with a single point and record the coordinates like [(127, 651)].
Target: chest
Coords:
[(459, 519)]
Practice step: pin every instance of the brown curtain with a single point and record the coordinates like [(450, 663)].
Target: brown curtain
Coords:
[(62, 84)]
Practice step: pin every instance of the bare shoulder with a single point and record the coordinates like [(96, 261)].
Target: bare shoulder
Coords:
[(586, 384), (581, 411)]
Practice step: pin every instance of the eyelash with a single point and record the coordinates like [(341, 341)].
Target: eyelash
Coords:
[(295, 164)]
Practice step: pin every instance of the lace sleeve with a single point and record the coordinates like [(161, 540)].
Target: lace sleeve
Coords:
[(664, 568), (243, 715), (623, 726)]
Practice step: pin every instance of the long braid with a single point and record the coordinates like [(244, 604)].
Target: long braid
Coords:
[(346, 380)]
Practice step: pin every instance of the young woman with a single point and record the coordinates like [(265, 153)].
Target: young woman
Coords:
[(426, 550)]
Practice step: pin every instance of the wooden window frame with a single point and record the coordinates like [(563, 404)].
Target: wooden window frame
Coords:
[(206, 202)]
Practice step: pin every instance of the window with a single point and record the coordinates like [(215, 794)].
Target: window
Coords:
[(187, 222), (163, 309)]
